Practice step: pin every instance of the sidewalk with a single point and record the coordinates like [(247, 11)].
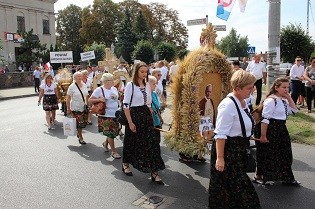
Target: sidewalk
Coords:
[(14, 93)]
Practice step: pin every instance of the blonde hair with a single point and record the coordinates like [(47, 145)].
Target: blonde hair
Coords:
[(107, 76), (156, 70), (48, 76), (241, 78), (84, 72), (152, 79), (276, 84)]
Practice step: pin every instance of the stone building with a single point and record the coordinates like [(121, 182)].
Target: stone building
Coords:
[(24, 15)]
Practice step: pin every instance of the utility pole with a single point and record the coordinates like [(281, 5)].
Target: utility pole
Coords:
[(273, 41), (308, 16)]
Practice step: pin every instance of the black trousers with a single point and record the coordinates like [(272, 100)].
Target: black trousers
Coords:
[(258, 85), (310, 94), (37, 82), (296, 86), (164, 87)]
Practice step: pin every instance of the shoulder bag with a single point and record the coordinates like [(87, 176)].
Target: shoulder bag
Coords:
[(120, 114), (86, 108), (99, 107), (250, 158)]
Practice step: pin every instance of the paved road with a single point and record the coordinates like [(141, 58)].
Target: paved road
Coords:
[(45, 169)]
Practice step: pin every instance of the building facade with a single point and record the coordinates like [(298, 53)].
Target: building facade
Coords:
[(24, 15)]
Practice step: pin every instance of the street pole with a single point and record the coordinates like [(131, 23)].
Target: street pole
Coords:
[(273, 41), (308, 16)]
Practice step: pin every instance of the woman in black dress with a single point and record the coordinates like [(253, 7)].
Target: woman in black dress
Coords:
[(141, 146), (230, 187)]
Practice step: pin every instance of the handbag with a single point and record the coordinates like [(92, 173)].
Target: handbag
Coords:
[(85, 108), (120, 113), (98, 107), (250, 157), (69, 126)]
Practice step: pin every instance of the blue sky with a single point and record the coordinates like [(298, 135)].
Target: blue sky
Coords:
[(253, 23)]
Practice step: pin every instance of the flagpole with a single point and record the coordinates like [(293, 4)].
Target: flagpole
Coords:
[(207, 20)]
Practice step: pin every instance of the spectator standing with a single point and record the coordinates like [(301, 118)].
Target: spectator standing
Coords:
[(173, 70), (296, 76), (309, 76), (36, 75), (244, 64), (258, 69), (141, 146), (164, 72), (236, 65)]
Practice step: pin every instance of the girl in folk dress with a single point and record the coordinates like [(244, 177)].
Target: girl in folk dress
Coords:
[(230, 187), (48, 90), (141, 146), (274, 152)]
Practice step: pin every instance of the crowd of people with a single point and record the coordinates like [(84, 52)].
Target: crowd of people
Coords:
[(231, 124)]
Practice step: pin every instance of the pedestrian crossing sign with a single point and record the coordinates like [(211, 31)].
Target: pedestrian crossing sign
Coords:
[(251, 49)]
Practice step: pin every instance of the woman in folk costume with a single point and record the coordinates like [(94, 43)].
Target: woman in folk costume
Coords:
[(274, 152), (230, 187)]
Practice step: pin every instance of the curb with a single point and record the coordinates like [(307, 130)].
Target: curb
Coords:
[(17, 97)]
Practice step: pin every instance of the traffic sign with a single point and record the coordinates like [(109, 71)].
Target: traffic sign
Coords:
[(220, 27), (251, 49), (197, 22)]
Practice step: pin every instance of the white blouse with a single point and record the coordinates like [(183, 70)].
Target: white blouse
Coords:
[(296, 71), (76, 102), (111, 96), (276, 110), (48, 90), (138, 97), (228, 122)]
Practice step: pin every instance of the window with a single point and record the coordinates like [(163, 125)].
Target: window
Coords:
[(20, 23), (46, 27)]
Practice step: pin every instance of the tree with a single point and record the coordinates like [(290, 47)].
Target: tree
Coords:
[(99, 51), (166, 51), (31, 50), (144, 51), (100, 22), (181, 54), (68, 27), (126, 39), (141, 28), (295, 42), (165, 25), (233, 45)]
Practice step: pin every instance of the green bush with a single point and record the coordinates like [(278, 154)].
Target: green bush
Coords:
[(144, 51)]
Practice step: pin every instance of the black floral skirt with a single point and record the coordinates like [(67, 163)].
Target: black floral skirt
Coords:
[(142, 149), (274, 159), (232, 188), (81, 118), (50, 102)]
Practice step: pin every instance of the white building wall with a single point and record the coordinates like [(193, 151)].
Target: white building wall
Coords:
[(34, 11)]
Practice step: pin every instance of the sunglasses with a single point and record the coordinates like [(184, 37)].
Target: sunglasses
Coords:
[(298, 60)]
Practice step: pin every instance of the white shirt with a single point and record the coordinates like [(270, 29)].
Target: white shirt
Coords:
[(164, 71), (296, 71), (48, 90), (91, 75), (111, 98), (36, 73), (138, 98), (250, 100), (122, 70), (76, 102), (256, 69), (88, 84), (276, 111), (159, 88), (173, 69), (228, 123)]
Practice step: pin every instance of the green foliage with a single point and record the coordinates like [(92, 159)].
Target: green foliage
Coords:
[(99, 51), (166, 51), (181, 54), (31, 50), (165, 25), (312, 55), (126, 38), (99, 23), (144, 51), (141, 28), (295, 42), (233, 45), (68, 26)]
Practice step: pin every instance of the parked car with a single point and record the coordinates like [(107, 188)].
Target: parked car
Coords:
[(285, 68)]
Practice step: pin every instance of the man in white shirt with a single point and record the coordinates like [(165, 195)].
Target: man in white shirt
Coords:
[(258, 69), (296, 76), (164, 72), (173, 70), (121, 68)]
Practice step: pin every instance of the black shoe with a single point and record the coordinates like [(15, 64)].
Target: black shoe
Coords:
[(291, 183), (82, 142), (153, 176), (124, 170)]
